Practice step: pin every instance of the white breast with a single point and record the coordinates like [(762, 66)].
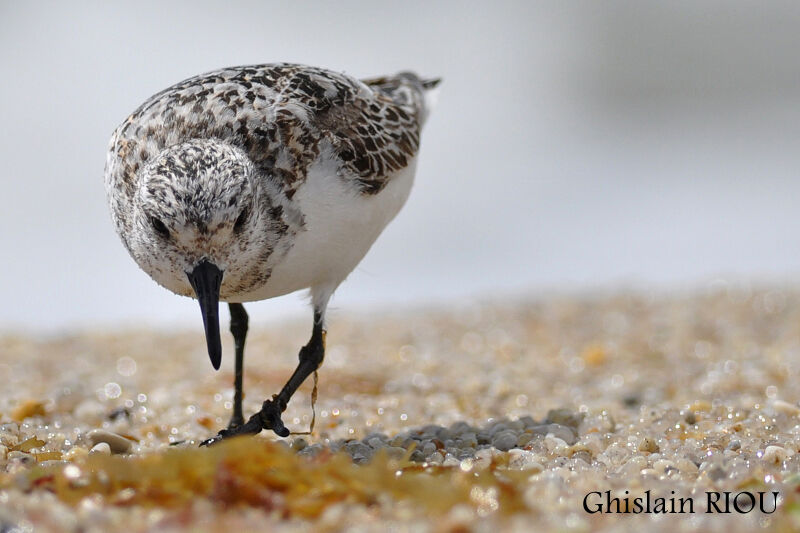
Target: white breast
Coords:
[(340, 226)]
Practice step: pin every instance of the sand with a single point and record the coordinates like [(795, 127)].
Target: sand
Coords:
[(476, 416)]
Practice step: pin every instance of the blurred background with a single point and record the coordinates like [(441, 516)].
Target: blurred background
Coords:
[(576, 146)]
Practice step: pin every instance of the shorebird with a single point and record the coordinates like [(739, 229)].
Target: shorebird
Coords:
[(252, 182)]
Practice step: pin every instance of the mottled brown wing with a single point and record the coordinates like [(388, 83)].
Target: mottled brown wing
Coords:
[(278, 114), (377, 132)]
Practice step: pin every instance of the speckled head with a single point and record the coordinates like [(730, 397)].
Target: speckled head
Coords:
[(202, 211)]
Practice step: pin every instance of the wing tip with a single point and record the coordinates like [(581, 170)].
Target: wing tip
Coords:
[(431, 83)]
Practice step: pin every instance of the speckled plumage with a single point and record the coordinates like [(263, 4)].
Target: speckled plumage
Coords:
[(277, 121), (279, 114)]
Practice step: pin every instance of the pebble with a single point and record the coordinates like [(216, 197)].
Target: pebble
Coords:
[(101, 448), (451, 461), (22, 457), (376, 443), (565, 417), (27, 409), (556, 445), (648, 444), (524, 460), (776, 454), (116, 443), (505, 440), (717, 473), (76, 452), (462, 441), (562, 432)]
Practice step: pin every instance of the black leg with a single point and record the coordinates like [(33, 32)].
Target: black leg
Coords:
[(311, 356), (239, 323)]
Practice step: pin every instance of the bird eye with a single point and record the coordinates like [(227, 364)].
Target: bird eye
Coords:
[(159, 226), (241, 219)]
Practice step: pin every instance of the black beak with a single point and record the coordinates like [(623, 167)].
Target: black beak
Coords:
[(206, 279)]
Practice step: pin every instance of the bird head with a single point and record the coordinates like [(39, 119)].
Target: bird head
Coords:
[(204, 226)]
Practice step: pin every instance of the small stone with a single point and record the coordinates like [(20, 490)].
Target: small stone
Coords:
[(428, 448), (101, 448), (22, 457), (556, 445), (299, 444), (505, 440), (565, 417), (686, 466), (483, 458), (10, 429), (465, 454), (27, 409), (431, 431), (562, 432), (717, 473), (734, 445), (470, 439), (355, 448), (524, 439), (460, 427), (116, 443), (436, 458), (497, 428), (648, 444), (74, 453), (583, 455), (524, 460), (375, 443), (451, 461), (776, 454)]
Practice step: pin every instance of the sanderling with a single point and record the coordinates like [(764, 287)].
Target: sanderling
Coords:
[(252, 182)]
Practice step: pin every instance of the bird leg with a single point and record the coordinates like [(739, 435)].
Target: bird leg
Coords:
[(269, 417), (239, 322)]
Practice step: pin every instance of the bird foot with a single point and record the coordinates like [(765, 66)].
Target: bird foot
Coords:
[(268, 418)]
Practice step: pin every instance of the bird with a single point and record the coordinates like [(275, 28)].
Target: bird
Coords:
[(251, 182)]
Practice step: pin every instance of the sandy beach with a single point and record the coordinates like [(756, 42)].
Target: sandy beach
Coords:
[(481, 416)]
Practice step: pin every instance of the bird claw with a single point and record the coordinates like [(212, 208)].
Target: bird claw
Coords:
[(268, 418), (270, 415)]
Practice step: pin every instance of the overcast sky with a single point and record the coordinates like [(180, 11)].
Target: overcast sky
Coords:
[(575, 146)]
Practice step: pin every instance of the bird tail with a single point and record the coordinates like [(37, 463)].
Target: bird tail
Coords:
[(406, 88), (431, 94)]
